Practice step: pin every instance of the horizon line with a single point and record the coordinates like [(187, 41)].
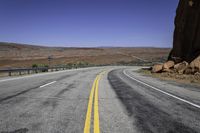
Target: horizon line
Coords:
[(108, 46)]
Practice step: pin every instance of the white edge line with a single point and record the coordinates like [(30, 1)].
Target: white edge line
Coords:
[(183, 100), (47, 84)]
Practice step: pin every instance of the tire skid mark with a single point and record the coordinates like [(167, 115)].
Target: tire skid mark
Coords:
[(36, 87), (147, 116), (54, 102), (17, 94)]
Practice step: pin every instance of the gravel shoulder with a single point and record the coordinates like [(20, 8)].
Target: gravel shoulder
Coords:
[(193, 80)]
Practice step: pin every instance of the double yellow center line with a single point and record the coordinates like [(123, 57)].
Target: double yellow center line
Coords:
[(93, 96)]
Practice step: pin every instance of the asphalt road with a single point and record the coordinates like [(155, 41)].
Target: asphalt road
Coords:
[(99, 99)]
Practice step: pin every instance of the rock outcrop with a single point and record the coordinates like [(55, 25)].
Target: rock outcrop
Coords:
[(186, 43), (184, 57)]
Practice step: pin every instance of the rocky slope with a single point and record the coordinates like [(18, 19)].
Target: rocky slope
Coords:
[(184, 58)]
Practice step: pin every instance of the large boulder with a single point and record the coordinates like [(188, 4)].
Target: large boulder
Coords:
[(186, 42), (195, 64), (197, 76), (157, 68), (167, 65), (188, 70), (181, 67)]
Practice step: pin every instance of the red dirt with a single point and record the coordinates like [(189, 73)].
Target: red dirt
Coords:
[(18, 55)]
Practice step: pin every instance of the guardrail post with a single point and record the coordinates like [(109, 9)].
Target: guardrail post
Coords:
[(9, 73)]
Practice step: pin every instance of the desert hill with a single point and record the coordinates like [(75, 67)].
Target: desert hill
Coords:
[(22, 55)]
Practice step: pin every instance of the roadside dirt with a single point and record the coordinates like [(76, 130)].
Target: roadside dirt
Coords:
[(180, 78)]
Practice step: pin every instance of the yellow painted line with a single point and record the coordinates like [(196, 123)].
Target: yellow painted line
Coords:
[(93, 95), (96, 108), (89, 110)]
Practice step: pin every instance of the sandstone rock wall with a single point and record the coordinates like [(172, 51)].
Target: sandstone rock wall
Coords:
[(186, 44)]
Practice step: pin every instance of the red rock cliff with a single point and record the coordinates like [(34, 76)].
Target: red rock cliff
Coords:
[(186, 43)]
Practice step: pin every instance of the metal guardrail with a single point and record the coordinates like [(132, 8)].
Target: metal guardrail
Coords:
[(21, 71)]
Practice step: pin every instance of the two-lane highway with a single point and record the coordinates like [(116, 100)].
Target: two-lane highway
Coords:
[(99, 99)]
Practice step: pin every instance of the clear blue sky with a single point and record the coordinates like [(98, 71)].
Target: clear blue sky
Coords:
[(88, 23)]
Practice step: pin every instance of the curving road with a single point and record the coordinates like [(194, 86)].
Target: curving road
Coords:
[(98, 99)]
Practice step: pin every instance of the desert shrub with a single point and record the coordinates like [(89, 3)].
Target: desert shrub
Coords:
[(34, 65), (39, 65), (82, 64), (69, 65), (43, 66)]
